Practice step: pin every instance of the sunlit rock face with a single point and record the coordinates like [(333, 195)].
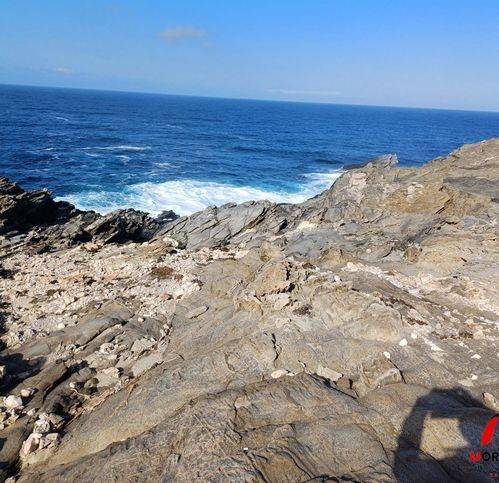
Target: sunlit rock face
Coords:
[(350, 337)]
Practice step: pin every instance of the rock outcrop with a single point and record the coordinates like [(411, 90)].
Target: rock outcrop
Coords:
[(352, 337), (34, 217)]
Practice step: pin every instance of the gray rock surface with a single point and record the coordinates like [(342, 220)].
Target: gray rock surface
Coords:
[(352, 337)]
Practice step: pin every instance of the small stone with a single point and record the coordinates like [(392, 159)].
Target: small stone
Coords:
[(387, 354), (474, 377), (196, 312), (106, 348), (337, 278), (476, 356), (55, 419), (3, 371), (13, 418), (44, 442), (27, 392), (403, 343), (278, 373), (41, 426), (52, 436), (141, 319), (31, 444), (61, 326), (13, 402), (170, 242), (490, 401), (330, 374), (31, 412)]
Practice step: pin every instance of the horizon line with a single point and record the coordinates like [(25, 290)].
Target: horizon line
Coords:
[(96, 89)]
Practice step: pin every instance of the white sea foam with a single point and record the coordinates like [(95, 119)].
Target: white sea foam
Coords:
[(121, 147), (124, 158), (188, 196)]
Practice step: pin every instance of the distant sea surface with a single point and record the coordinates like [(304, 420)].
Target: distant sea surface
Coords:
[(104, 150)]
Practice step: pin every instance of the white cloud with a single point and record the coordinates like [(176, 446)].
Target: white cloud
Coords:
[(177, 33), (294, 92), (63, 71)]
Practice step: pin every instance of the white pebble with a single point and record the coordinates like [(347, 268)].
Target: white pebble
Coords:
[(27, 392), (476, 356), (278, 373), (403, 343), (387, 354), (13, 402)]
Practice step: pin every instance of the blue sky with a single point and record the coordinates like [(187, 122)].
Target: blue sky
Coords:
[(439, 53)]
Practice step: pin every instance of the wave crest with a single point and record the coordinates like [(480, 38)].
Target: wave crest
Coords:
[(186, 196)]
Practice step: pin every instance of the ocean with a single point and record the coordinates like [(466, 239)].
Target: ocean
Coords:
[(104, 150)]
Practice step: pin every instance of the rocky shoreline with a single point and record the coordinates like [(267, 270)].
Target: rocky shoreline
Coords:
[(353, 337)]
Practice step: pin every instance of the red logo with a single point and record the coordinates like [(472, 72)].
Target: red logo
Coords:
[(489, 430), (487, 435), (475, 456)]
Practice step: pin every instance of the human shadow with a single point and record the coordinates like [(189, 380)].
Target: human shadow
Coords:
[(426, 450)]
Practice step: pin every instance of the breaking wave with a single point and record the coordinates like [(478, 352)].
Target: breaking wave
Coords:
[(186, 196)]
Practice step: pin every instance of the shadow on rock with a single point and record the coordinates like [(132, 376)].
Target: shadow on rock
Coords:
[(440, 438)]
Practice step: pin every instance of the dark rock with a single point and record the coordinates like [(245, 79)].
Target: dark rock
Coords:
[(166, 216), (21, 210), (123, 225), (50, 224)]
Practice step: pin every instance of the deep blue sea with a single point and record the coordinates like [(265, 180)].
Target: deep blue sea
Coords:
[(104, 150)]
